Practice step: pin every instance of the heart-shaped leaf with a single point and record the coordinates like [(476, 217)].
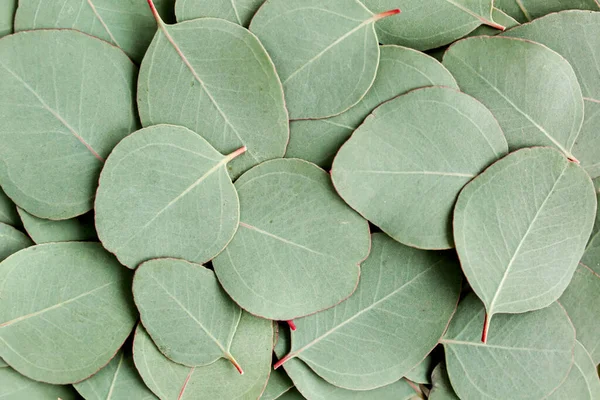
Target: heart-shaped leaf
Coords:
[(7, 14), (526, 356), (582, 382), (441, 388), (12, 240), (237, 11), (68, 230), (536, 209), (170, 293), (400, 70), (432, 140), (404, 295), (14, 386), (510, 76), (298, 245), (326, 53), (166, 182), (225, 88), (279, 384), (527, 10), (65, 310), (8, 211)]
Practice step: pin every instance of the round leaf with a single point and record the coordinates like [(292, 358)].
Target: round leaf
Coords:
[(532, 350), (400, 70), (582, 382), (14, 386), (527, 10), (403, 168), (298, 245), (237, 11), (165, 192), (68, 230), (404, 296), (524, 223), (12, 240), (523, 84), (215, 78), (7, 14), (68, 100)]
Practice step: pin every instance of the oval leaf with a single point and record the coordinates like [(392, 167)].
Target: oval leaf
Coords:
[(582, 382), (68, 230), (12, 240), (432, 140), (166, 183), (237, 11), (527, 10), (14, 386)]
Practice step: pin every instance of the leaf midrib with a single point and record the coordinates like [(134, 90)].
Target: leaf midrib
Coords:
[(104, 25)]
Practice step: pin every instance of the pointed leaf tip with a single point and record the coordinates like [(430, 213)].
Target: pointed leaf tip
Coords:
[(389, 13)]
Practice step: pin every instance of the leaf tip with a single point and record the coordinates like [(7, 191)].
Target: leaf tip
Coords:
[(389, 13)]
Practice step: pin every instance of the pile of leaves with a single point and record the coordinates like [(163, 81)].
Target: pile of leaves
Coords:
[(214, 199)]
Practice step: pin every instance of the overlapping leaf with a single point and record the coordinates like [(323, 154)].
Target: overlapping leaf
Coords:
[(12, 240), (441, 387), (527, 10), (237, 11), (422, 372), (14, 386), (68, 230), (582, 381), (279, 384), (7, 13), (8, 211)]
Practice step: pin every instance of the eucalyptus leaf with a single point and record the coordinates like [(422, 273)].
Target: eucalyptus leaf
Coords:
[(8, 211), (237, 11), (67, 101), (7, 13), (441, 388), (170, 293), (527, 356), (253, 345), (431, 140), (118, 380), (511, 77), (292, 394), (499, 17), (298, 245), (279, 384), (404, 296), (65, 310), (14, 386), (582, 382), (400, 70), (3, 364), (596, 228), (165, 192), (215, 78), (68, 230), (527, 10), (326, 53), (12, 240), (422, 372), (591, 257), (425, 26)]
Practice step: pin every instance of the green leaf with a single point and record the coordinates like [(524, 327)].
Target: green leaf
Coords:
[(12, 240), (215, 78), (591, 257), (326, 53), (527, 10), (582, 382), (431, 140), (279, 384), (404, 296), (14, 386), (8, 211), (3, 364), (596, 228), (7, 13), (526, 356), (441, 387), (170, 293), (499, 17), (298, 245), (237, 11), (166, 183), (435, 24), (422, 372), (253, 346), (292, 394), (511, 77), (65, 310), (68, 230), (400, 70), (523, 223), (118, 380), (70, 98)]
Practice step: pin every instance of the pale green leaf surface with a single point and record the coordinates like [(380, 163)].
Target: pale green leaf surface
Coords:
[(582, 382), (298, 245), (65, 310), (14, 386), (326, 52), (591, 257), (175, 293), (68, 99), (596, 228), (510, 76), (119, 380), (237, 11), (422, 372), (526, 356), (403, 168), (527, 10), (165, 192), (253, 345), (441, 388), (12, 240), (521, 228), (68, 230), (500, 17), (215, 78), (404, 296), (3, 364), (7, 13), (427, 25), (292, 394), (279, 384), (400, 70), (8, 211)]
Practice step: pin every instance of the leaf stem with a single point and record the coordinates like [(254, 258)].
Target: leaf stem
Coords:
[(283, 360), (235, 364), (236, 153), (486, 327), (291, 324), (157, 17), (379, 16)]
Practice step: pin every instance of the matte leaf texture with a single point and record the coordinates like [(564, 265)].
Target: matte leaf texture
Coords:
[(425, 26), (68, 230), (499, 17), (118, 380), (14, 386), (582, 382), (253, 346), (165, 192), (7, 13), (65, 310), (536, 210), (125, 24), (403, 168), (512, 78), (3, 364), (400, 70), (292, 394), (527, 10), (527, 356), (422, 372), (576, 36), (298, 245), (279, 383), (441, 388), (326, 53), (591, 257), (67, 101), (404, 296), (596, 227), (12, 240), (8, 211), (175, 293), (237, 11), (215, 78)]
